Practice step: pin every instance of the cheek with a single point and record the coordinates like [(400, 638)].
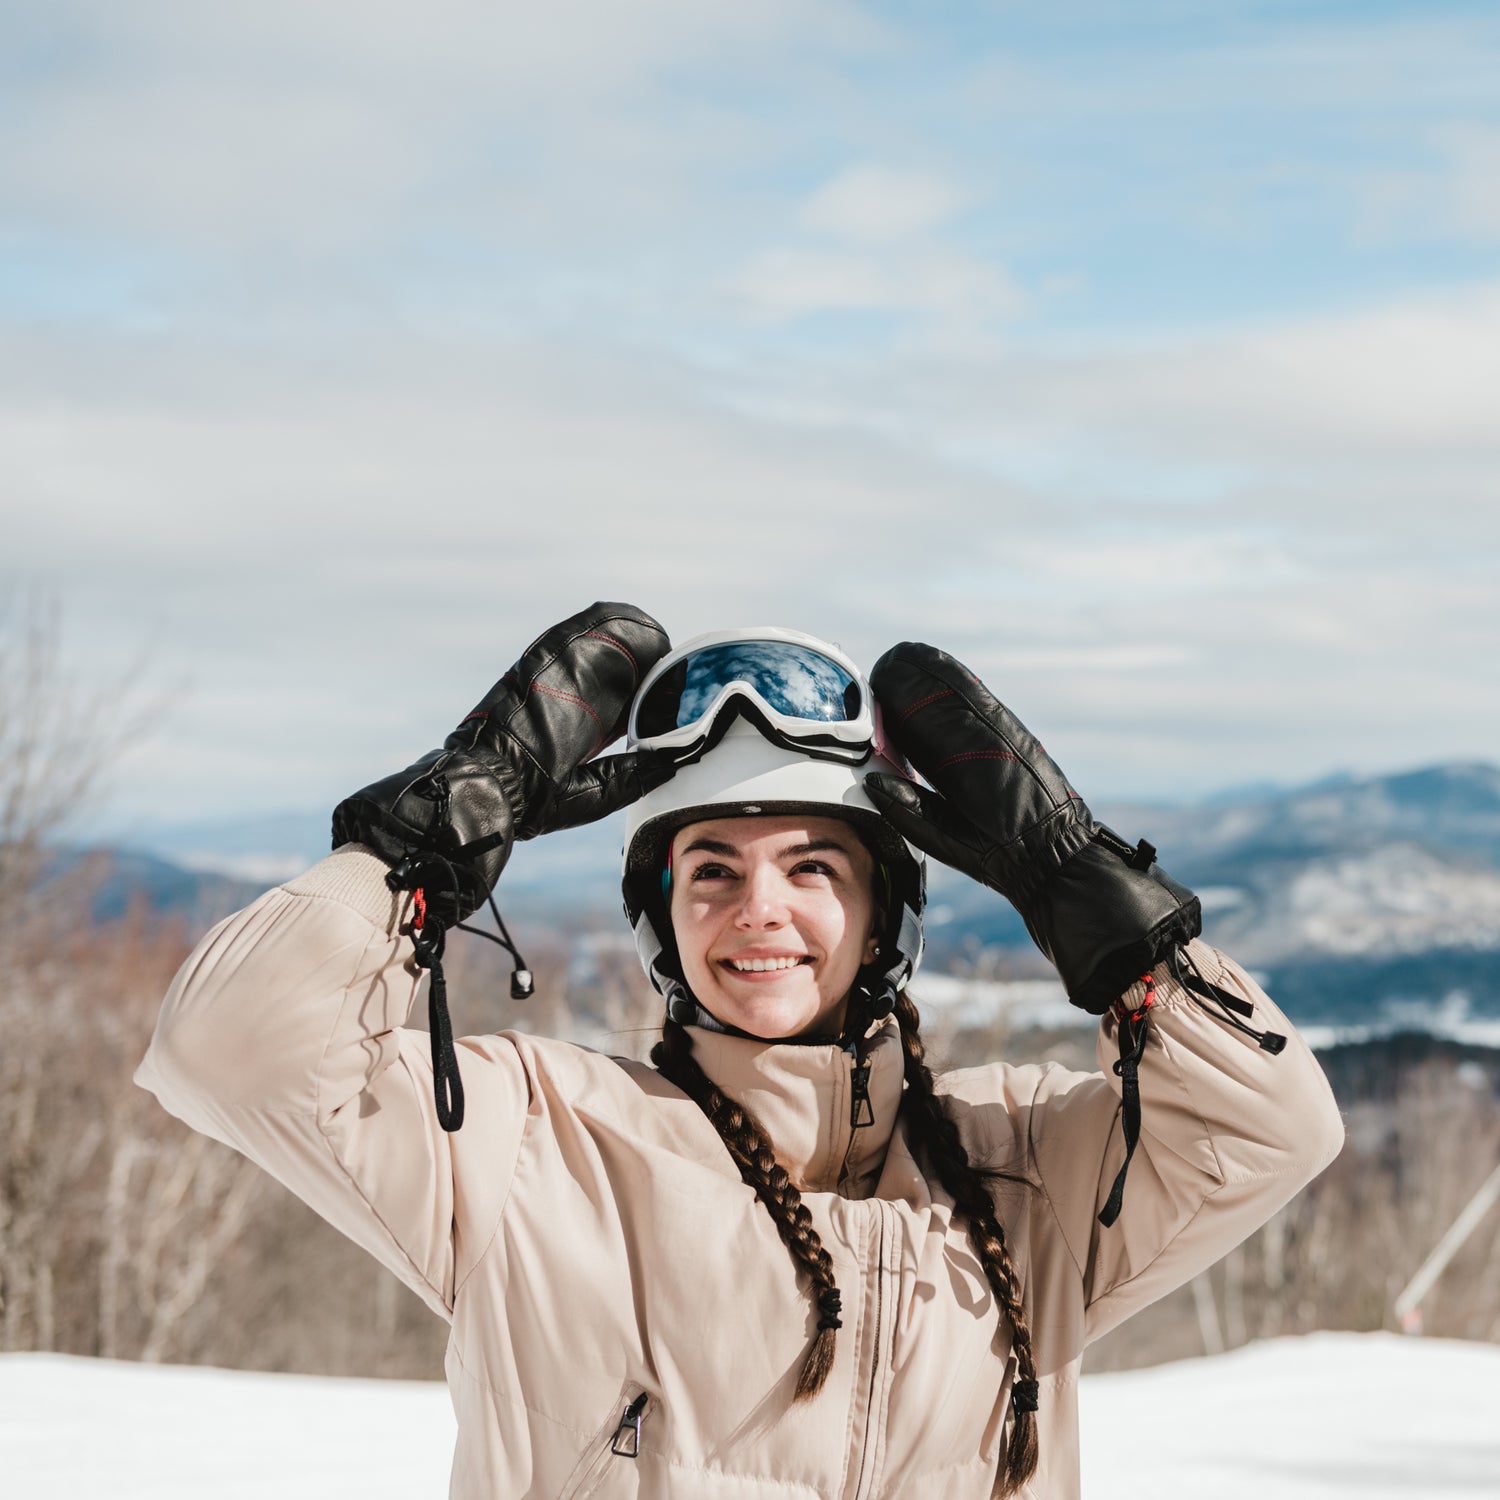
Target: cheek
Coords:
[(850, 929), (863, 926), (691, 928)]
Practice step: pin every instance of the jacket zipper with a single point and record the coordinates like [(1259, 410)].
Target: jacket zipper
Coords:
[(861, 1110), (627, 1439), (618, 1440), (865, 1478)]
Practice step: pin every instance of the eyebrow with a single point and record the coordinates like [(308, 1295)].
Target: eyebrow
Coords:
[(710, 846), (812, 846), (707, 845)]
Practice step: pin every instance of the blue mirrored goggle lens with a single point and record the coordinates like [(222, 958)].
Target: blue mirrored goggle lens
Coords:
[(792, 680)]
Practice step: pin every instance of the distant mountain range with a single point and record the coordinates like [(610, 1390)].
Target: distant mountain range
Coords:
[(1359, 900)]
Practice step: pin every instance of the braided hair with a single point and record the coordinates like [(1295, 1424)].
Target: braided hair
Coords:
[(933, 1134), (753, 1154)]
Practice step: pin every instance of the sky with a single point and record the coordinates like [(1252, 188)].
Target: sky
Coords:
[(1147, 358)]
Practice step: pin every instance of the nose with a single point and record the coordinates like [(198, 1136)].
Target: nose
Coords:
[(763, 899)]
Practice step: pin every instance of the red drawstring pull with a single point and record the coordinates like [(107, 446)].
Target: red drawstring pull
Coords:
[(419, 900), (1147, 1001)]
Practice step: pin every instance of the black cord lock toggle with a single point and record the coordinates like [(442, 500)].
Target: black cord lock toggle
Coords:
[(1231, 1008)]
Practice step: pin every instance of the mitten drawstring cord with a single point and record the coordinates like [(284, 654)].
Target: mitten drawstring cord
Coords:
[(1231, 1008), (1135, 1025), (429, 938)]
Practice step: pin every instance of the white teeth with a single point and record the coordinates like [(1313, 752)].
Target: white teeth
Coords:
[(760, 965)]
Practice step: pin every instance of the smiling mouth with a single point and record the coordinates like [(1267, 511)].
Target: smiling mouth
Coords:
[(763, 965)]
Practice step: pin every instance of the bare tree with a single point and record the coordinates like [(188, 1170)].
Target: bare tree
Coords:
[(123, 1233)]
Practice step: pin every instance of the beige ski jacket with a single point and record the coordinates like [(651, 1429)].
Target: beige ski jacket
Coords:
[(625, 1320)]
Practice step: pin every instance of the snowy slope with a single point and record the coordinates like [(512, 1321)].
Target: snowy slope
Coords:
[(1332, 1415)]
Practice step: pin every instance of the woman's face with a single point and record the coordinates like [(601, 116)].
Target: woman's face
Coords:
[(773, 917)]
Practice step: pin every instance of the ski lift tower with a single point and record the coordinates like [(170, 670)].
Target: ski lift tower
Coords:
[(1408, 1306)]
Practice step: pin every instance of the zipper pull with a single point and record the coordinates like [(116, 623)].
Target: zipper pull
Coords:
[(861, 1111), (627, 1438)]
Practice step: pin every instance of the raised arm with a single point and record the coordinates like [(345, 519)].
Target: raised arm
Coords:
[(1207, 1097), (1230, 1130), (282, 1034)]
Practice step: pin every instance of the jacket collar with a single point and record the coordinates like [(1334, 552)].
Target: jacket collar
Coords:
[(804, 1096)]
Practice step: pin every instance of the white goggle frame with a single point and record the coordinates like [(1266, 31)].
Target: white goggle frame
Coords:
[(845, 739)]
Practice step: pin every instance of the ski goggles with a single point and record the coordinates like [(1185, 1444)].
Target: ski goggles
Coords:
[(797, 690)]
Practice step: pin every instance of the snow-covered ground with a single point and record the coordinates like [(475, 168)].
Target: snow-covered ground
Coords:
[(1331, 1415)]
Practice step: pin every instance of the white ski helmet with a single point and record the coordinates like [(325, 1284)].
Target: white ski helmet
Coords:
[(764, 720)]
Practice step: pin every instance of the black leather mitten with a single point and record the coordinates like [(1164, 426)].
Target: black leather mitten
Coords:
[(1002, 812), (519, 764)]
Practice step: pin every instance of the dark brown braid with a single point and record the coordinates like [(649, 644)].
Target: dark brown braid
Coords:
[(934, 1135), (751, 1150)]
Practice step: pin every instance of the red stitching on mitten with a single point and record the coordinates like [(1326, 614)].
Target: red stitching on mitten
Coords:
[(923, 702), (599, 635), (964, 755), (552, 692)]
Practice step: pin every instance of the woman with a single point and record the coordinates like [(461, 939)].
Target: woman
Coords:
[(781, 1261)]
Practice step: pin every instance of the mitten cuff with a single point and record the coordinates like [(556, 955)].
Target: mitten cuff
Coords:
[(1104, 924)]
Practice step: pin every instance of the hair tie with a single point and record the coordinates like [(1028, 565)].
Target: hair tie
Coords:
[(1023, 1395), (829, 1304)]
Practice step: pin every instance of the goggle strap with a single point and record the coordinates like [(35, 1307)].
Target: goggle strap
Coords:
[(814, 745)]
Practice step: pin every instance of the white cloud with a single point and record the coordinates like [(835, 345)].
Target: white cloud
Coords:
[(314, 127), (413, 383), (1474, 153), (340, 547), (1455, 195), (1374, 399), (947, 285), (869, 202), (873, 243)]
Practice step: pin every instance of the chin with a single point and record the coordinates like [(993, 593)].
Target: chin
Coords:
[(771, 1019)]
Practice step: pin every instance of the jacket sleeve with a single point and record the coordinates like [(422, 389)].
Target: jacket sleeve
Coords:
[(1229, 1133), (282, 1037)]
